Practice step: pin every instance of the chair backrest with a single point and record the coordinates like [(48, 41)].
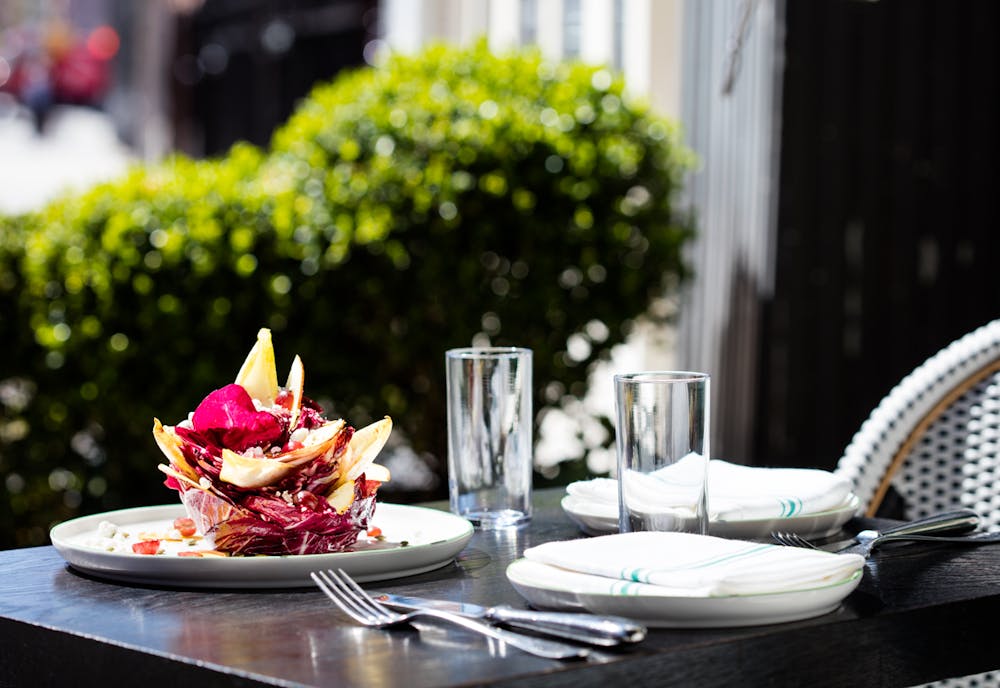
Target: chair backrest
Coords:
[(936, 436)]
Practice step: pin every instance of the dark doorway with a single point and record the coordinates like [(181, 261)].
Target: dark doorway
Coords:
[(888, 240), (243, 65)]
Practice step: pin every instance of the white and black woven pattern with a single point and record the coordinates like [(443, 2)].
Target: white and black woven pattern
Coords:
[(955, 461)]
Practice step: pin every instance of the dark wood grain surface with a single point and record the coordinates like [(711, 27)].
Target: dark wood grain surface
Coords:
[(920, 614)]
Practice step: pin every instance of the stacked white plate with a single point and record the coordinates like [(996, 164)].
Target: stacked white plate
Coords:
[(744, 502)]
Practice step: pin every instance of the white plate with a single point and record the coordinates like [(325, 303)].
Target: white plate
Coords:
[(593, 519), (536, 583), (433, 539)]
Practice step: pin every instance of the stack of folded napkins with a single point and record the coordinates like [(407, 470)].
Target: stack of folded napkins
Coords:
[(687, 565), (738, 493)]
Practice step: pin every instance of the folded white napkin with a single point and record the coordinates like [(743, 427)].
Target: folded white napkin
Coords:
[(737, 493), (686, 565)]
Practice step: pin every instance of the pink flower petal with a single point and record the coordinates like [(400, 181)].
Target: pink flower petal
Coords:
[(229, 417)]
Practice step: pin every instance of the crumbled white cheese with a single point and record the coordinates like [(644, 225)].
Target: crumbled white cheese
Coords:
[(109, 538)]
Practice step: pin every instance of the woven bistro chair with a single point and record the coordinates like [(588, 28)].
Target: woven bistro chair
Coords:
[(935, 439), (935, 442)]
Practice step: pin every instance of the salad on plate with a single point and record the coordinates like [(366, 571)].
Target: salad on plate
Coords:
[(262, 471)]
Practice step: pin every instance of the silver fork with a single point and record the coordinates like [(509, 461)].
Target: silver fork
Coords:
[(353, 601), (791, 540), (948, 522), (868, 540)]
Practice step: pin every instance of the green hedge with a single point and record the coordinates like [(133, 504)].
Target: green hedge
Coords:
[(402, 210)]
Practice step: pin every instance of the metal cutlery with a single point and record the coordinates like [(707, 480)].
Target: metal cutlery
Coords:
[(353, 601), (605, 631), (872, 538), (932, 528)]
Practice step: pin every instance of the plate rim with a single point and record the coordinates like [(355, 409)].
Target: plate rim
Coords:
[(791, 605), (276, 570), (848, 509)]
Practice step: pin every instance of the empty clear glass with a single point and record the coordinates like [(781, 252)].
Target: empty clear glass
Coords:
[(663, 451), (490, 434)]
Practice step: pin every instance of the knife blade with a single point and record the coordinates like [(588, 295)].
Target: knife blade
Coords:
[(949, 522), (587, 628)]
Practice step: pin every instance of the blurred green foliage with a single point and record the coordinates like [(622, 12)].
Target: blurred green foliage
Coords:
[(436, 200)]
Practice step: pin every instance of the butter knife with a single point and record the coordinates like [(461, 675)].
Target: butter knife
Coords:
[(605, 631)]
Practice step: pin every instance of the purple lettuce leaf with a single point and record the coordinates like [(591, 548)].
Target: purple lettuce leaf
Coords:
[(267, 524)]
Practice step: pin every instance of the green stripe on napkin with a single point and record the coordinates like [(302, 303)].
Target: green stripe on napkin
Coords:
[(642, 575)]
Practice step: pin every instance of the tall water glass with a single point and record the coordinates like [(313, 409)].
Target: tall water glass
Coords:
[(663, 451), (489, 434)]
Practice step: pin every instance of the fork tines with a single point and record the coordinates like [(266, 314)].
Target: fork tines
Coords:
[(792, 540), (350, 597)]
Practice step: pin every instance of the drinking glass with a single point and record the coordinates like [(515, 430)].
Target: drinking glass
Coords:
[(662, 438), (490, 434)]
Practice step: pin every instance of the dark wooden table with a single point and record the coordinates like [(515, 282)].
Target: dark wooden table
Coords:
[(920, 614)]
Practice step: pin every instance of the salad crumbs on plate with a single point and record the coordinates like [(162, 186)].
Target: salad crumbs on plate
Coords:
[(166, 538)]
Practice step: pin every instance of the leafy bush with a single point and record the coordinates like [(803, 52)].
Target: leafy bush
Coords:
[(440, 199)]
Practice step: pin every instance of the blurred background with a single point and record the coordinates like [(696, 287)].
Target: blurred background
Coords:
[(844, 192)]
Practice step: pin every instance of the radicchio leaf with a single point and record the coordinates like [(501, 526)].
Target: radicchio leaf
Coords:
[(267, 524)]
